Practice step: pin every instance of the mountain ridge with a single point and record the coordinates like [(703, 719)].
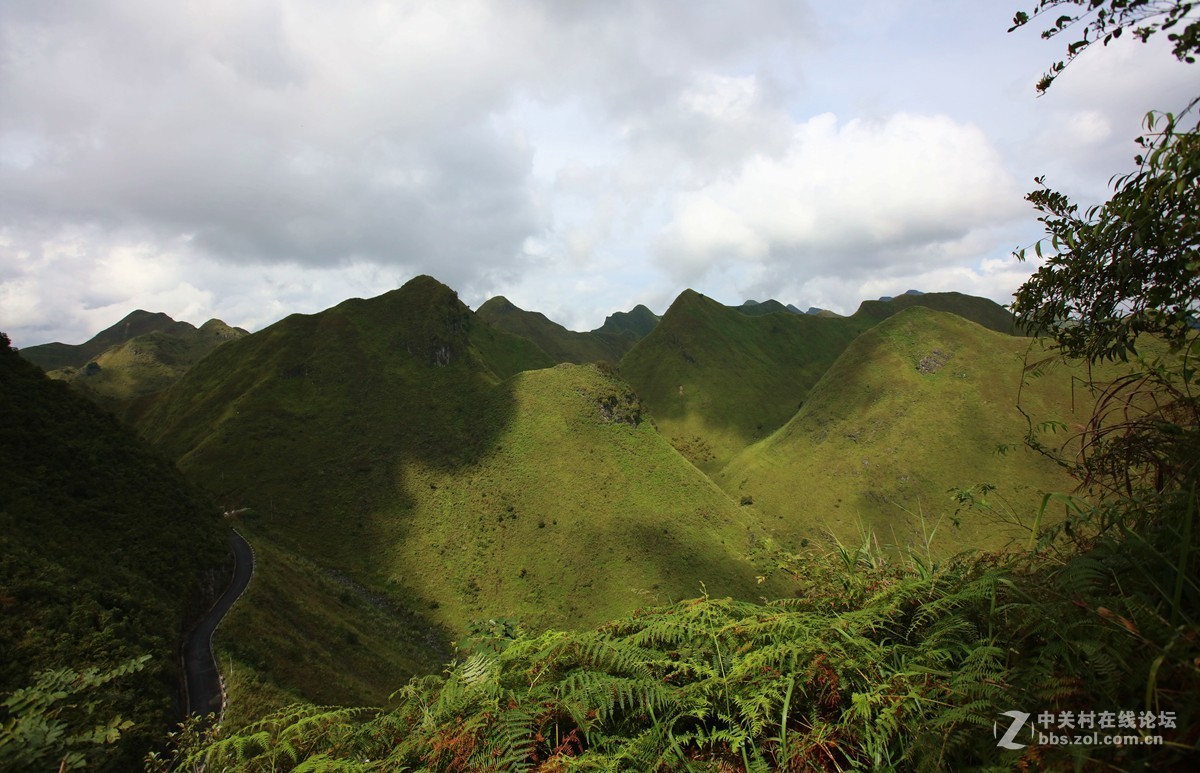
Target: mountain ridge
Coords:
[(440, 463)]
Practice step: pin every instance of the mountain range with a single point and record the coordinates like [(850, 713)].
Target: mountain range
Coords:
[(407, 467)]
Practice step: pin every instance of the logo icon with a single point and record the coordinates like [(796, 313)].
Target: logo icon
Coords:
[(1018, 721)]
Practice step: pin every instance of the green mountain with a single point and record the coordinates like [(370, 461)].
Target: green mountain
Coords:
[(979, 310), (58, 355), (555, 340), (143, 364), (755, 309), (577, 510), (639, 321), (717, 379), (106, 552), (915, 407), (395, 445)]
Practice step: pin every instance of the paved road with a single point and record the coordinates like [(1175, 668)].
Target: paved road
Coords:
[(203, 681)]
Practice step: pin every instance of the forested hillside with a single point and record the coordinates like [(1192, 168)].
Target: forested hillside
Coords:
[(106, 554)]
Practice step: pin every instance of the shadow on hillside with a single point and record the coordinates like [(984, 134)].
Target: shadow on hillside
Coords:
[(311, 422), (745, 376)]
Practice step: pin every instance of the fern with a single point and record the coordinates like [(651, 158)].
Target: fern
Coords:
[(880, 663)]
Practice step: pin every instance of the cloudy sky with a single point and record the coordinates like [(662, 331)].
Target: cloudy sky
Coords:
[(246, 159)]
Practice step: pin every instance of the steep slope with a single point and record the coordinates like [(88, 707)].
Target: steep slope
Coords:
[(555, 340), (339, 396), (145, 363), (578, 509), (377, 444), (914, 408), (59, 355), (104, 550), (716, 379)]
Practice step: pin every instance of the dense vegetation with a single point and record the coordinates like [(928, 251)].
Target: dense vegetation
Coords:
[(417, 475), (104, 553), (900, 662), (876, 663)]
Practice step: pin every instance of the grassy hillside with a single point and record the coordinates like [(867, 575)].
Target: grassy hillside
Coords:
[(380, 441), (103, 551), (915, 406), (145, 363), (310, 416), (578, 511), (59, 355), (716, 379), (306, 632), (560, 344)]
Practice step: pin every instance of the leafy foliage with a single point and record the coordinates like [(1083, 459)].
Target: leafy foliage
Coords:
[(1127, 268), (1106, 20), (1123, 283), (1122, 279), (874, 663), (42, 727)]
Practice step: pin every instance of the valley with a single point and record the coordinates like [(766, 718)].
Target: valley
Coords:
[(415, 476), (785, 509), (407, 449)]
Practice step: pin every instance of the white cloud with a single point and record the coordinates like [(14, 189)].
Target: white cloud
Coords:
[(249, 158), (847, 198)]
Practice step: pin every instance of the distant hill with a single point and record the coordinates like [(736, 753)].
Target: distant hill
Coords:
[(396, 443), (717, 379), (59, 355), (106, 552), (906, 292), (754, 308), (138, 365), (638, 321), (914, 407), (555, 340), (979, 310)]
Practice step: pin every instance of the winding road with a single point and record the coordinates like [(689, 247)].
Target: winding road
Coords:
[(202, 680)]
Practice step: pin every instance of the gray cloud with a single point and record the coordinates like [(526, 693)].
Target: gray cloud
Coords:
[(252, 157)]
